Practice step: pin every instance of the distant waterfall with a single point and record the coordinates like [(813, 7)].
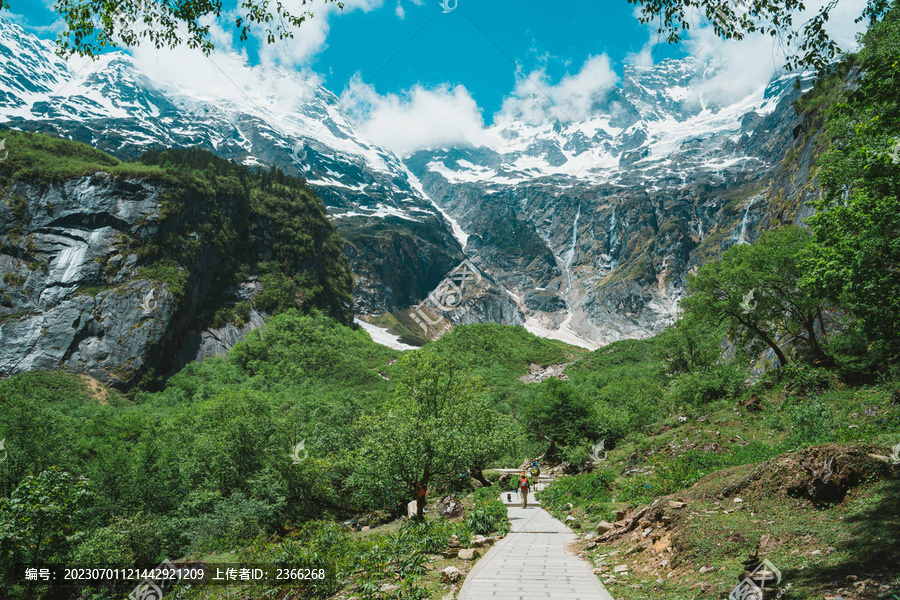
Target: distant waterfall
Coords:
[(570, 283), (570, 253), (742, 237), (612, 239)]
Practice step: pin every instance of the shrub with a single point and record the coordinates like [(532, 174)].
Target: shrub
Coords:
[(561, 413), (805, 379), (721, 382), (588, 489), (487, 517), (856, 359), (232, 523), (810, 422)]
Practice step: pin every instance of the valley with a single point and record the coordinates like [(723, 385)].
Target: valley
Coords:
[(238, 335)]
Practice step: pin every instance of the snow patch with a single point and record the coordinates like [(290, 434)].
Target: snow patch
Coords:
[(381, 336)]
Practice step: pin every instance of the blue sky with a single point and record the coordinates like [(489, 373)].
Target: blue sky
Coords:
[(480, 44)]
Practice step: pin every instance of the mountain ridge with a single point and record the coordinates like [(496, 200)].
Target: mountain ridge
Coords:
[(588, 228)]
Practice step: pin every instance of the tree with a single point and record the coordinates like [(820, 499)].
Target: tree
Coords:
[(561, 415), (41, 517), (808, 45), (37, 429), (423, 434), (690, 345), (756, 290), (856, 252), (228, 441), (493, 434)]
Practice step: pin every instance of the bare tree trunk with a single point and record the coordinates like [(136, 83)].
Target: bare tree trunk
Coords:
[(420, 507), (782, 359), (478, 476)]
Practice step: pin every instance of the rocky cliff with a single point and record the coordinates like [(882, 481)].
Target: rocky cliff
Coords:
[(592, 226), (113, 106), (587, 227), (127, 271)]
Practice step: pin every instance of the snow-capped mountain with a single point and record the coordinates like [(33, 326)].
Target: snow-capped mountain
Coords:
[(585, 228), (369, 194), (610, 212)]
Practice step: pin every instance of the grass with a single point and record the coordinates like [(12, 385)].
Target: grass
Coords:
[(402, 554), (816, 550), (318, 376), (698, 461), (51, 159)]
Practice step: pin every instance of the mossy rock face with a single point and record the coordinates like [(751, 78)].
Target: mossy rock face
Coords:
[(107, 271)]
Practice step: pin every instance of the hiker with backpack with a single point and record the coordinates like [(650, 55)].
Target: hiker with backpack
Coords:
[(523, 486)]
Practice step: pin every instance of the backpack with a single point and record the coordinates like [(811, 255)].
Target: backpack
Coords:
[(524, 483), (535, 471)]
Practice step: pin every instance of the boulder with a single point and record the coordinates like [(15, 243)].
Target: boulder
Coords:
[(451, 508), (466, 554), (604, 526), (451, 575)]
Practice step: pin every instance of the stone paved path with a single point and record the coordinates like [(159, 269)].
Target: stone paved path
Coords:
[(533, 562)]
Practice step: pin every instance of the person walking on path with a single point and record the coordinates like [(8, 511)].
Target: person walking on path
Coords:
[(523, 487)]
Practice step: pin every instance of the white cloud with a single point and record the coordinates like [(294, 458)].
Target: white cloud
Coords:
[(840, 26), (310, 38), (58, 25), (400, 11), (749, 64), (225, 74), (744, 66), (536, 100), (641, 58), (418, 118)]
